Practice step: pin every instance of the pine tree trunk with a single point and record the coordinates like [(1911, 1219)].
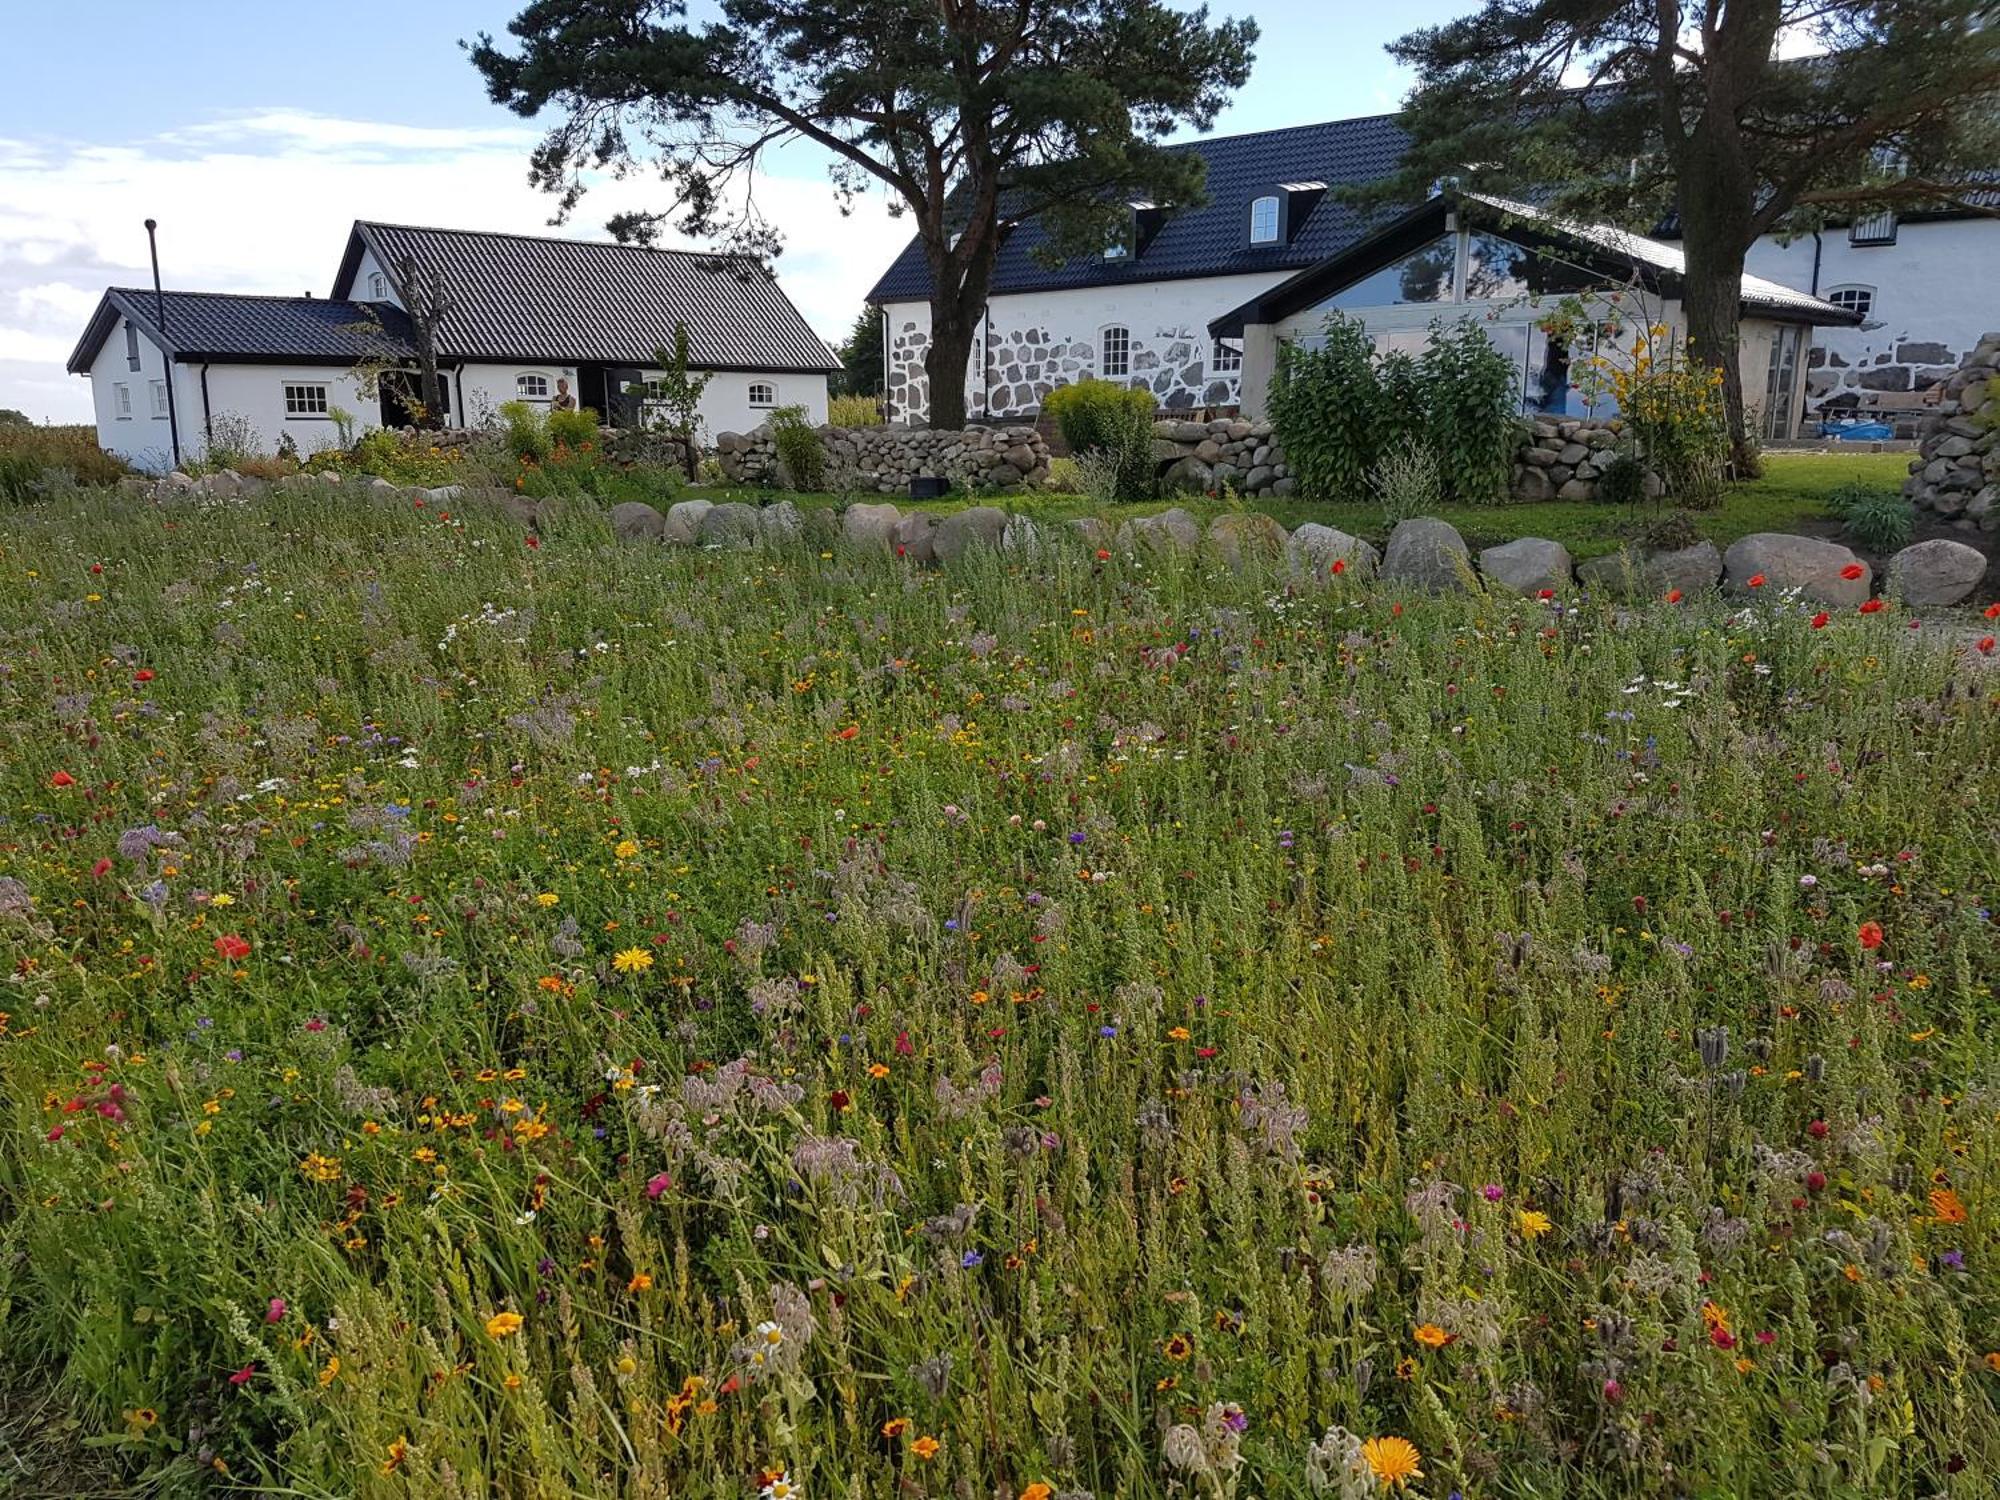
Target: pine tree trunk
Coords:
[(952, 333), (1712, 300)]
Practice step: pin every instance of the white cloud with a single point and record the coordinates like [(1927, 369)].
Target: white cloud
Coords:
[(261, 201)]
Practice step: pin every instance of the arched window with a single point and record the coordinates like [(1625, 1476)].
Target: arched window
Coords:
[(1114, 351), (1264, 220), (531, 387), (378, 287), (763, 393), (1854, 299)]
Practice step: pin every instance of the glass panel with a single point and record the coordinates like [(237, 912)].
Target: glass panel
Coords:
[(1421, 278)]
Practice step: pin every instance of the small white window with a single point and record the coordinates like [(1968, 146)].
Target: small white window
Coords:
[(159, 390), (1854, 299), (121, 401), (1264, 220), (378, 287), (131, 345), (763, 393), (305, 400), (532, 387), (1114, 351), (1226, 356)]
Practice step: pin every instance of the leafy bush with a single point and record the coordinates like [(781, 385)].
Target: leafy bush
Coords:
[(1407, 482), (572, 429), (854, 411), (33, 458), (1095, 413), (1881, 520), (1622, 481), (1673, 410), (1339, 410), (401, 458), (527, 430), (800, 451), (1843, 498), (1066, 475)]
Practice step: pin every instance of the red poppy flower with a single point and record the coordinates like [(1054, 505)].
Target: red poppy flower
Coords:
[(1546, 594), (97, 567), (1819, 620), (1673, 596), (1870, 606), (1852, 571), (144, 674), (232, 947), (1870, 935), (840, 1099), (1340, 565), (1993, 611), (243, 1376), (535, 542), (1986, 645), (101, 869), (849, 732), (62, 779), (1756, 580), (1103, 554)]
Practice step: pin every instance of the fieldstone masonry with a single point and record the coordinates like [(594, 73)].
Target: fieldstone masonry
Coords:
[(886, 459), (1956, 473)]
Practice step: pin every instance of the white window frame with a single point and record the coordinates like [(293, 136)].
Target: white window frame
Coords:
[(1855, 291), (524, 391), (1225, 356), (131, 345), (1109, 334), (121, 400), (378, 287), (307, 400), (1269, 236), (768, 397), (158, 391)]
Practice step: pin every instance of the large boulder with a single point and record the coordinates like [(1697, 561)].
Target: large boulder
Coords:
[(1426, 553), (1937, 572), (1822, 571), (913, 536), (730, 525), (636, 521), (1527, 566), (1314, 549), (1170, 531), (781, 524), (1650, 575), (1242, 535), (1025, 536), (683, 526), (1188, 476), (870, 526), (963, 530)]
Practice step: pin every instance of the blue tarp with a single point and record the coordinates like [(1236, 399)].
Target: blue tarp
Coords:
[(1857, 432)]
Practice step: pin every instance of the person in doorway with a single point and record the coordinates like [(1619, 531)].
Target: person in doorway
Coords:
[(563, 400)]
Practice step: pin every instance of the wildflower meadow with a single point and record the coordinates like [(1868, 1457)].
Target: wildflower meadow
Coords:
[(495, 1012)]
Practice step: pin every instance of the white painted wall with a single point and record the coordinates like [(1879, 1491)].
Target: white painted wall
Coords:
[(726, 405), (1937, 286), (363, 287), (141, 439), (1160, 316), (256, 393)]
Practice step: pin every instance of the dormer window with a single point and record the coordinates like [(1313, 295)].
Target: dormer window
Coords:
[(1264, 220), (378, 287)]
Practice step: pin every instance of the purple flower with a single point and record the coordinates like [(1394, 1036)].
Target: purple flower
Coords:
[(971, 1260), (1076, 838), (1952, 1260), (1107, 1031), (1492, 1192)]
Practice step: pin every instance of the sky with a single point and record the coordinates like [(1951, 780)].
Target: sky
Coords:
[(256, 145)]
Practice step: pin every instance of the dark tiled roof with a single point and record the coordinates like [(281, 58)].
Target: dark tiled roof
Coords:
[(531, 297), (221, 325), (1212, 240)]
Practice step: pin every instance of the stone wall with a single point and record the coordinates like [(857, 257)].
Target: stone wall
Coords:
[(1564, 456), (886, 459), (621, 445), (1956, 473)]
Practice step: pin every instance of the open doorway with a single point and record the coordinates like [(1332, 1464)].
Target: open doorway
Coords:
[(398, 389)]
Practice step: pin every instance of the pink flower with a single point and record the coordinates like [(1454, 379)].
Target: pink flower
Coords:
[(657, 1184), (275, 1313), (1492, 1192), (244, 1375)]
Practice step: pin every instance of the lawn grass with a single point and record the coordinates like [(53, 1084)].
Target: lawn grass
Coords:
[(1792, 490), (495, 1013)]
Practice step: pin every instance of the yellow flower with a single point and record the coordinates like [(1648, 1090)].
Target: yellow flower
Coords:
[(330, 1371), (547, 898), (1532, 1223), (503, 1325), (1392, 1460), (632, 961), (1431, 1336), (222, 898), (398, 1451), (926, 1447), (626, 849), (895, 1427)]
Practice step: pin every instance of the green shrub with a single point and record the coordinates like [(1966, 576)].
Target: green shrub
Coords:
[(573, 429), (1622, 481), (1881, 520), (1065, 475), (527, 430), (1339, 410), (1842, 499), (800, 452), (1096, 413), (32, 458), (854, 411), (1407, 482), (1329, 408)]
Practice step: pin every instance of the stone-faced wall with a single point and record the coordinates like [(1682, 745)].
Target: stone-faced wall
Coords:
[(886, 459), (1900, 378), (1956, 473), (1563, 457)]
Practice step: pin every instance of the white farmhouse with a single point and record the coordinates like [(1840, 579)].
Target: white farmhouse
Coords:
[(532, 319), (1181, 302)]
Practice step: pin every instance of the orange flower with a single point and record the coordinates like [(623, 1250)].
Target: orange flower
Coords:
[(926, 1447), (1431, 1336), (1037, 1491), (1946, 1206), (1870, 935), (895, 1427)]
